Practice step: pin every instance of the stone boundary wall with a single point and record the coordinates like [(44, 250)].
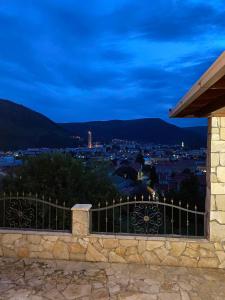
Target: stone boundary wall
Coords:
[(80, 245), (122, 249)]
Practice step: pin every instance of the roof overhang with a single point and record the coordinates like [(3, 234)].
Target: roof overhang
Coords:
[(207, 96)]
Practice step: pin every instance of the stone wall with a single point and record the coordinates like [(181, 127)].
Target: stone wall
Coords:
[(215, 204), (80, 245), (96, 248)]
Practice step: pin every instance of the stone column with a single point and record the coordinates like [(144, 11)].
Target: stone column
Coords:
[(81, 219), (215, 203)]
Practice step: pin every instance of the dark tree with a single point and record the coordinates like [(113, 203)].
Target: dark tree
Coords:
[(189, 193), (60, 177), (189, 189), (153, 177), (150, 171), (187, 171), (127, 172), (140, 159)]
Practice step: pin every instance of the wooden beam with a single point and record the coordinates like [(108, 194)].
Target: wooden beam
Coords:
[(219, 113), (213, 78), (215, 105)]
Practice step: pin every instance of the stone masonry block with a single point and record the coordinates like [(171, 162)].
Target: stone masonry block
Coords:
[(222, 133), (218, 146), (220, 202), (221, 174), (222, 121), (215, 160), (222, 159), (218, 188)]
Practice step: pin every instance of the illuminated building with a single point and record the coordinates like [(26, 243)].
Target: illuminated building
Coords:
[(89, 139)]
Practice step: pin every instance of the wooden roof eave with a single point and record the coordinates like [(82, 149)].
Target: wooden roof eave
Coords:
[(210, 88)]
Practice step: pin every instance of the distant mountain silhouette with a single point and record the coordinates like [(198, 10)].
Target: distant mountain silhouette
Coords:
[(201, 130), (142, 130), (21, 127)]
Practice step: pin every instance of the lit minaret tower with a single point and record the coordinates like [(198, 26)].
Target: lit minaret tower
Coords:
[(89, 139)]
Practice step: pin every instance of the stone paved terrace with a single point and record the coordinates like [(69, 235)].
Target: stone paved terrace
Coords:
[(22, 279)]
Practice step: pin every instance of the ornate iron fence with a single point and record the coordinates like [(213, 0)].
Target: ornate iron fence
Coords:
[(148, 216), (33, 213)]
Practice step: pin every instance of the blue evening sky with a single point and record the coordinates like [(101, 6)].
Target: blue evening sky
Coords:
[(81, 60)]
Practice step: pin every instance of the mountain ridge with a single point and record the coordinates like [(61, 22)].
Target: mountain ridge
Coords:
[(153, 130), (21, 127)]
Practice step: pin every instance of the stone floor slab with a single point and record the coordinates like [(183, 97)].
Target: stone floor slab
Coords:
[(22, 279)]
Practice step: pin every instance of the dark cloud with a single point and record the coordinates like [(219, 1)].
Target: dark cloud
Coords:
[(97, 78), (105, 59), (116, 56), (168, 20)]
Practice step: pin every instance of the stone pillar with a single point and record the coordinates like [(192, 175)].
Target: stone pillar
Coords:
[(215, 203), (81, 219)]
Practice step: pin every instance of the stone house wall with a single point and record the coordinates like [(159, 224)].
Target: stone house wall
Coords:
[(215, 203)]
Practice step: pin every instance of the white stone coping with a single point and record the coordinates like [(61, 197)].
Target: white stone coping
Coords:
[(149, 238), (83, 207), (29, 232), (107, 236)]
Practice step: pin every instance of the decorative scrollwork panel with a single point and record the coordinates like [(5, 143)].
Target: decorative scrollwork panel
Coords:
[(19, 214), (31, 212), (146, 218)]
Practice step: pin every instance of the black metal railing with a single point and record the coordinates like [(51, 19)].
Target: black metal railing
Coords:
[(148, 216), (34, 213)]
